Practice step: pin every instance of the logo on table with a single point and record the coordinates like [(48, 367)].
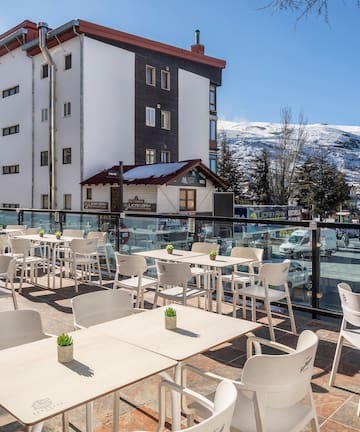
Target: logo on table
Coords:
[(43, 405)]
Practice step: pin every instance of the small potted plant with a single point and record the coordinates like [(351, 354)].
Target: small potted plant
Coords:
[(170, 318), (212, 255), (58, 235), (65, 349), (41, 232), (169, 248)]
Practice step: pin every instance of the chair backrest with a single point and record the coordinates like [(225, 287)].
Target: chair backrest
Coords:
[(32, 230), (5, 267), (16, 227), (173, 273), (20, 246), (73, 233), (100, 306), (282, 380), (224, 405), (4, 244), (255, 254), (275, 273), (20, 327), (350, 303), (99, 235), (204, 247), (130, 265), (83, 246)]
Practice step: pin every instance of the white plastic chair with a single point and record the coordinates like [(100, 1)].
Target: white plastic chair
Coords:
[(221, 409), (83, 254), (274, 393), (7, 272), (350, 303), (78, 233), (173, 278), (101, 245), (243, 279), (198, 272), (23, 326), (4, 244), (21, 251), (101, 306), (133, 268), (16, 227), (270, 274)]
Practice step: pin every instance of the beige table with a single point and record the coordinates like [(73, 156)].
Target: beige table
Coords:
[(218, 264), (162, 254), (197, 331), (35, 386)]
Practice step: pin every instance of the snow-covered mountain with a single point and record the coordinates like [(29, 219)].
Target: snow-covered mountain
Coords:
[(342, 142)]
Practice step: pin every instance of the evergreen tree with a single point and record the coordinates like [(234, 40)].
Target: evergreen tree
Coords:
[(320, 186), (259, 187)]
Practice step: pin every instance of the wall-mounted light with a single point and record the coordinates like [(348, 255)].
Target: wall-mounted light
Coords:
[(158, 106)]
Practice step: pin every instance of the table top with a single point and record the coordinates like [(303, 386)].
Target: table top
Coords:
[(197, 331), (162, 254), (47, 238), (35, 386), (219, 262)]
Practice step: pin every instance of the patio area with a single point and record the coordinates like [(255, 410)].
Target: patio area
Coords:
[(336, 406)]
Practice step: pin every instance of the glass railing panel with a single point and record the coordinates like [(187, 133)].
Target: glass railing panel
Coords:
[(8, 217), (42, 220)]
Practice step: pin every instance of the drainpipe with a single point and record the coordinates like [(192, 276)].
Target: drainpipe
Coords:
[(43, 29)]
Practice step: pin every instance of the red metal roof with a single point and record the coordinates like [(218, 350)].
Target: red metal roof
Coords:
[(32, 33), (111, 175)]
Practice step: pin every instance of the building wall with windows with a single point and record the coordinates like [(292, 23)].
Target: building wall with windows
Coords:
[(193, 116), (16, 129)]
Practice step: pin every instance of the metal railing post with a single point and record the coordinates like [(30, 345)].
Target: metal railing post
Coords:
[(315, 259)]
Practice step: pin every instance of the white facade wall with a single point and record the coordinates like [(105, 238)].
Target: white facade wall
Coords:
[(193, 117), (109, 106), (15, 69), (169, 198), (68, 176)]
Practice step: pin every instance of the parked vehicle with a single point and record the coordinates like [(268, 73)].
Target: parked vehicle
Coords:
[(299, 276), (299, 243)]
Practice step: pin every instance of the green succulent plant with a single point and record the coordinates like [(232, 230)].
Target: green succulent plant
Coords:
[(213, 253), (58, 234), (41, 231), (64, 340), (170, 312), (169, 247)]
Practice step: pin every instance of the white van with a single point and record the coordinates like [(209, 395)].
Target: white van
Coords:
[(299, 243)]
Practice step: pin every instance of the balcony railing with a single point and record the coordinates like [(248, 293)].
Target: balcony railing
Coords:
[(322, 254)]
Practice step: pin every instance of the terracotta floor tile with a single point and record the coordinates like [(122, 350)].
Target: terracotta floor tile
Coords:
[(332, 426)]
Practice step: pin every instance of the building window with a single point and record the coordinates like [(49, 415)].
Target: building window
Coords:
[(165, 120), (44, 158), (150, 156), (66, 156), (11, 169), (68, 61), (67, 201), (67, 109), (10, 91), (164, 156), (212, 131), (45, 201), (212, 97), (11, 130), (150, 75), (44, 71), (213, 164), (10, 205), (187, 199), (165, 80), (44, 114), (150, 116), (88, 193)]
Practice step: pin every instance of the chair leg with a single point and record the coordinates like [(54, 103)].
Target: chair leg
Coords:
[(268, 310), (291, 315), (253, 309), (107, 261), (98, 264), (336, 360), (156, 297)]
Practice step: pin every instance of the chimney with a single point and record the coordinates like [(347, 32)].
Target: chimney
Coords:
[(197, 47)]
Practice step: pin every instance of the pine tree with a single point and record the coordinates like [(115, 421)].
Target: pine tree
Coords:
[(259, 187)]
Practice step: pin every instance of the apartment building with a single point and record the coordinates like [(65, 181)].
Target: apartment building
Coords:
[(81, 97)]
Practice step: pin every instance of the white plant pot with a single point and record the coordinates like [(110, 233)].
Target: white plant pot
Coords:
[(170, 322), (65, 353)]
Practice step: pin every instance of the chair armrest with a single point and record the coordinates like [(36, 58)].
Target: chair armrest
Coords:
[(257, 342)]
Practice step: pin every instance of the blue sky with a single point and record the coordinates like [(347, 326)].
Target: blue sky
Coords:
[(273, 60)]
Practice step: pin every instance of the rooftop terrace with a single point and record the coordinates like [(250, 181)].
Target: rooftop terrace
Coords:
[(336, 406)]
